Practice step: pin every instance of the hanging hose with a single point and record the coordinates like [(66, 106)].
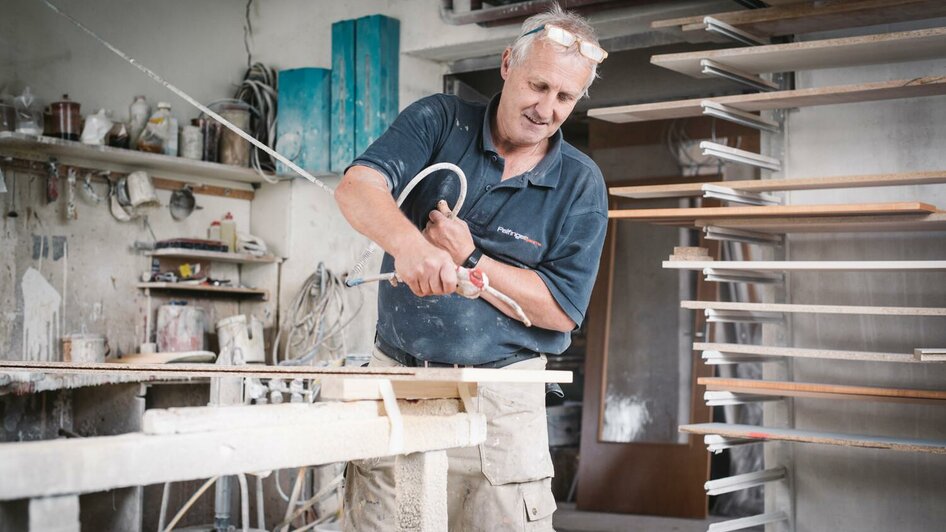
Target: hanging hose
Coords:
[(259, 90), (356, 271)]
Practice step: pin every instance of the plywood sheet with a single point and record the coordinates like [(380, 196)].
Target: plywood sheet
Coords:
[(829, 224), (810, 97), (752, 432), (830, 354), (815, 309), (812, 55), (811, 265), (704, 213), (807, 17), (829, 391), (205, 370)]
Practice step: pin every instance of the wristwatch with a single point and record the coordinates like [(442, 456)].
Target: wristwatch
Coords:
[(473, 259)]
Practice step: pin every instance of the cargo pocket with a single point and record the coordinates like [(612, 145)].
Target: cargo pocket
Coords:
[(516, 449), (539, 502)]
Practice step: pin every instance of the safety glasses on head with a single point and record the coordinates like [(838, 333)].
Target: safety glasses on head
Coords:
[(566, 38)]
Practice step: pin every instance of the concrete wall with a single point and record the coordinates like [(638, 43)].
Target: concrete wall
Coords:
[(839, 488)]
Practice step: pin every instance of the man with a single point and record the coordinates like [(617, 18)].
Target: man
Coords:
[(534, 221)]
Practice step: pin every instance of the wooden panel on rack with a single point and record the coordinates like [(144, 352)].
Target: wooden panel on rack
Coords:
[(824, 391), (815, 309), (809, 265), (704, 213), (753, 432), (809, 55), (797, 352), (817, 224), (811, 97), (807, 17), (769, 185)]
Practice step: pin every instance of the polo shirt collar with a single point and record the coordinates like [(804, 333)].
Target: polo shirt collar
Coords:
[(549, 169)]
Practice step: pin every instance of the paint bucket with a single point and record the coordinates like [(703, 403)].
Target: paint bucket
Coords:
[(180, 328), (141, 190), (83, 348), (246, 340)]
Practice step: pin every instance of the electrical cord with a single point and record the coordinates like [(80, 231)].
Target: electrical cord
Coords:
[(316, 319), (259, 90)]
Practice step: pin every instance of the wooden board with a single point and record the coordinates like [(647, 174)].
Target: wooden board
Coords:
[(815, 309), (214, 256), (770, 185), (206, 289), (705, 213), (811, 55), (811, 265), (302, 372), (752, 432), (828, 391), (761, 101), (370, 390), (797, 352), (825, 224), (807, 17), (346, 431)]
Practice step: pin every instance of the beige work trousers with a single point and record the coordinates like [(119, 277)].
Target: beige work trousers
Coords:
[(504, 484)]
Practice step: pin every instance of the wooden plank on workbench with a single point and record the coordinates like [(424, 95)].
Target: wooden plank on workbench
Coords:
[(797, 352), (828, 391), (752, 432), (815, 309), (307, 372), (811, 97), (704, 213), (810, 55), (808, 17), (370, 390)]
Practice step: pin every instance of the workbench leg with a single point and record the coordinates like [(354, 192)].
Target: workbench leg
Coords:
[(421, 492), (54, 514)]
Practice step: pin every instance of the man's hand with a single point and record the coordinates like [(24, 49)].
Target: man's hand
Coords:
[(449, 233), (427, 270)]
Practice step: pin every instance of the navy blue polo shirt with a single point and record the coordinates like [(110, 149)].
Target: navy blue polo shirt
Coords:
[(551, 219)]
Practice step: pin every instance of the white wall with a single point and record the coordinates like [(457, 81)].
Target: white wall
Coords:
[(839, 488)]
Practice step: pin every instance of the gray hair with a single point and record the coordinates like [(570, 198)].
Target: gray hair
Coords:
[(555, 16)]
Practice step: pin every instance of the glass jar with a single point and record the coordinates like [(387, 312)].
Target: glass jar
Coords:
[(66, 119)]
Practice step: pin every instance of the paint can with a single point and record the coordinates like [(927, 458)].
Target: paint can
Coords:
[(245, 339), (180, 328), (83, 348)]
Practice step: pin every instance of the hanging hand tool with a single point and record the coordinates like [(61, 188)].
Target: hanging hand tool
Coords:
[(471, 284), (52, 181)]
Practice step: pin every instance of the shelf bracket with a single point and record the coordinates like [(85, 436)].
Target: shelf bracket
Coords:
[(742, 316), (724, 398), (714, 25), (744, 481), (743, 523), (736, 155), (718, 358), (717, 444), (719, 70), (732, 195), (742, 276), (713, 232), (738, 116)]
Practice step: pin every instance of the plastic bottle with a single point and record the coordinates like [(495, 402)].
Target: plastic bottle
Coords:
[(157, 132), (213, 232), (228, 232), (138, 113)]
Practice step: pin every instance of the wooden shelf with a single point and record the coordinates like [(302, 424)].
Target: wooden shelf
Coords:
[(681, 190), (815, 309), (811, 55), (215, 256), (797, 352), (840, 94), (824, 391), (807, 17), (820, 224), (809, 265), (121, 160), (34, 382), (209, 291), (689, 215), (752, 432)]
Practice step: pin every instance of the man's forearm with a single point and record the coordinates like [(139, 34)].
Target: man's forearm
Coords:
[(366, 203), (527, 289)]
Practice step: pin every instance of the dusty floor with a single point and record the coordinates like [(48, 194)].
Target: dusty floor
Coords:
[(568, 519)]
